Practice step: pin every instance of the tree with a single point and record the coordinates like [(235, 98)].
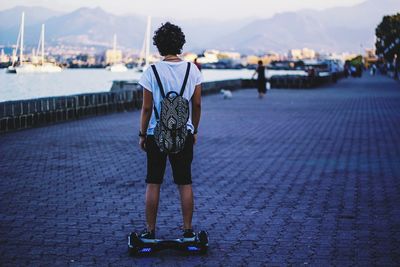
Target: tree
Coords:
[(388, 37)]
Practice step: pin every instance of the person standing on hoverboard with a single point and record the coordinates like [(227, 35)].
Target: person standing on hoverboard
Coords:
[(170, 74)]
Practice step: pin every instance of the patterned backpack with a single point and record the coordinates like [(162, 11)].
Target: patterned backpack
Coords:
[(170, 132)]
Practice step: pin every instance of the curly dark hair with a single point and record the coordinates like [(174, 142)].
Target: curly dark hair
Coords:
[(169, 39)]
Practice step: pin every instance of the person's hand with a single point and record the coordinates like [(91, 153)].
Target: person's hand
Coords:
[(194, 139), (142, 143)]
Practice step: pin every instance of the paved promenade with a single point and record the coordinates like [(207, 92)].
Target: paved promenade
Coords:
[(303, 177)]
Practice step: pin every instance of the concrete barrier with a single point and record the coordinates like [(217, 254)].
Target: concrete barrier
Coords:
[(301, 82)]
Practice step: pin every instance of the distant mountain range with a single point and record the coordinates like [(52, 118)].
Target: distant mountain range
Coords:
[(336, 29)]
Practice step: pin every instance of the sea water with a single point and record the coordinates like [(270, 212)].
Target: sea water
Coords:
[(78, 81)]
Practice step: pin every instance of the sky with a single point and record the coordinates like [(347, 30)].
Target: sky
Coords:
[(185, 9)]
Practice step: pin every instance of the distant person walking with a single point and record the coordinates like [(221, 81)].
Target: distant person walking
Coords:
[(359, 71), (198, 65), (180, 82), (396, 65), (334, 71), (261, 81), (373, 70), (346, 69)]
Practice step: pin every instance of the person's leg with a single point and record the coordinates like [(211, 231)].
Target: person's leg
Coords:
[(152, 200), (156, 163), (181, 164), (186, 193)]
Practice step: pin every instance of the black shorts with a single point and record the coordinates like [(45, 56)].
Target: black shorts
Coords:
[(181, 162)]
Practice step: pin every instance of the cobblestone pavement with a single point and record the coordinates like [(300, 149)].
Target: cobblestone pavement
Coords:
[(303, 177)]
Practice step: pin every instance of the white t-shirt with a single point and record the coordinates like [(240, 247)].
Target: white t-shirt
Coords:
[(171, 75)]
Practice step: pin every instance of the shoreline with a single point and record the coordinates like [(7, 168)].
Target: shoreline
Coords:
[(79, 81)]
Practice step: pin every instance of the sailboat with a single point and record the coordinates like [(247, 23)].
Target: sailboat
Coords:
[(45, 66), (116, 67), (29, 67), (143, 63), (22, 67)]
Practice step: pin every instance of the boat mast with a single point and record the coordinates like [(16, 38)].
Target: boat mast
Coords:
[(42, 44), (147, 49), (15, 51), (115, 48), (142, 52), (21, 51)]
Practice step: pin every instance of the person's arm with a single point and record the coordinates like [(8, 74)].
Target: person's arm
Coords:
[(254, 74), (196, 109), (147, 109)]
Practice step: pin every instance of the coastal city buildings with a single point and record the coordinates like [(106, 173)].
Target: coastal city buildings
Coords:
[(99, 57), (3, 57), (298, 54), (112, 56)]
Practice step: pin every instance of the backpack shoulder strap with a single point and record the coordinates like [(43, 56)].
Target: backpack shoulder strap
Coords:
[(185, 80), (158, 80), (161, 90)]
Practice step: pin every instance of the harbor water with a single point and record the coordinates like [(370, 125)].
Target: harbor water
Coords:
[(76, 81)]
